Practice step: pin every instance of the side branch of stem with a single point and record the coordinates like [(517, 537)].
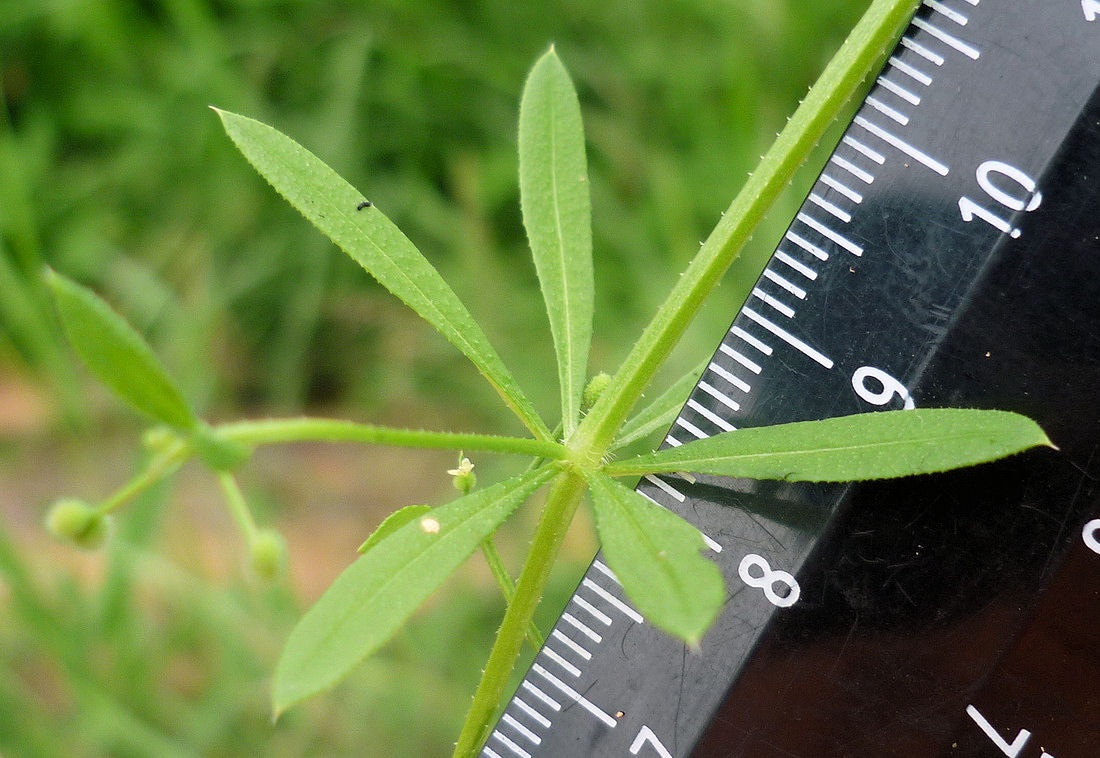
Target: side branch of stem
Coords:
[(269, 431)]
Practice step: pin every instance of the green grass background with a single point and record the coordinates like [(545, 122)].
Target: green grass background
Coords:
[(113, 171)]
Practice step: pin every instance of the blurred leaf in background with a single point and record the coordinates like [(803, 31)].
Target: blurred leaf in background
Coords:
[(113, 171)]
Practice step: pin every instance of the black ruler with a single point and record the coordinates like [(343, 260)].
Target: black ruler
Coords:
[(948, 255)]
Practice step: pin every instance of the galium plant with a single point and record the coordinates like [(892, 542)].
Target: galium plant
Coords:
[(657, 555)]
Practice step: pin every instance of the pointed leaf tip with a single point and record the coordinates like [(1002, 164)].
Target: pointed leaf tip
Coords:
[(330, 203), (878, 445), (116, 354), (554, 198)]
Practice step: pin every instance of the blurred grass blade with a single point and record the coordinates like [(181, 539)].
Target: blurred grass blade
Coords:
[(865, 446), (364, 233), (374, 596), (117, 355), (655, 554), (553, 183), (393, 522), (661, 412)]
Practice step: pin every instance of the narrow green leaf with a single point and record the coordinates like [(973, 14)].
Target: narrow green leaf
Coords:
[(364, 233), (393, 522), (865, 446), (553, 184), (662, 411), (374, 596), (655, 554), (117, 355)]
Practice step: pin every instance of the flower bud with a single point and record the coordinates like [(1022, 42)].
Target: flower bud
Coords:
[(157, 439), (267, 555), (77, 522), (595, 388)]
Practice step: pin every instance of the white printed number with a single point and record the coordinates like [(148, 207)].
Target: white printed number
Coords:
[(1011, 749), (647, 737), (768, 579), (1091, 9), (888, 386), (1029, 201), (1091, 535)]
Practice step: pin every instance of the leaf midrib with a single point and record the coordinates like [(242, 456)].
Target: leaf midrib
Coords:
[(658, 457), (349, 610)]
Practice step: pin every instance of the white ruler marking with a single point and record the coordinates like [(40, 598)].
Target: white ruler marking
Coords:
[(798, 266), (719, 396), (887, 111), (950, 13), (531, 736), (749, 339), (743, 360), (953, 42), (852, 169), (828, 233), (842, 188), (595, 612), (731, 378), (538, 717), (511, 745), (806, 245), (911, 71), (897, 89), (922, 51), (552, 654), (789, 338), (903, 146), (859, 147), (571, 644), (778, 305), (695, 431), (575, 696), (541, 695), (668, 488), (582, 627), (603, 569), (673, 441), (835, 210), (625, 609), (710, 416), (488, 751)]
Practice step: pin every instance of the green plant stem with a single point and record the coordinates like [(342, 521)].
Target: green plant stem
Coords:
[(561, 504), (871, 39), (234, 498), (268, 431), (161, 466), (507, 586)]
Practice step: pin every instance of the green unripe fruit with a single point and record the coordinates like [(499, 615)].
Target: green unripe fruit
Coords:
[(267, 555), (595, 388), (77, 522)]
